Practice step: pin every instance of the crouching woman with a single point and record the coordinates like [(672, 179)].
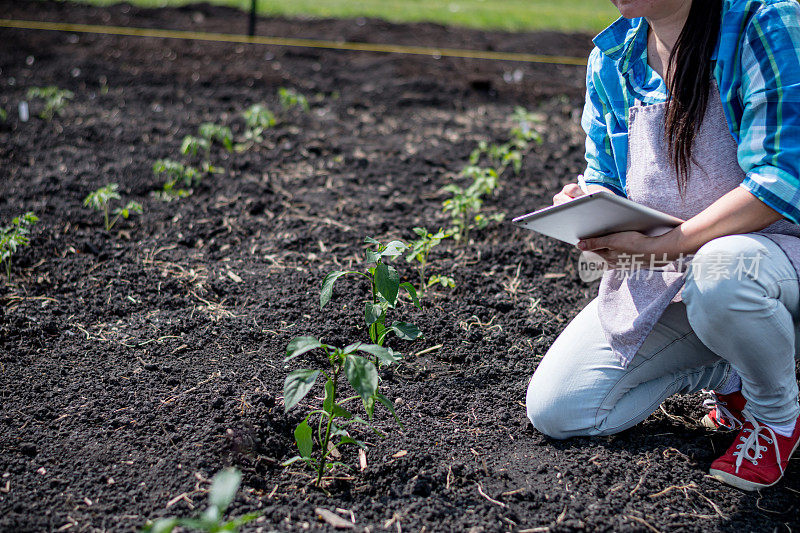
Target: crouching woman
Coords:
[(692, 108)]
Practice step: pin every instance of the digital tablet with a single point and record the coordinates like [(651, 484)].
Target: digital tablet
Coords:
[(595, 214)]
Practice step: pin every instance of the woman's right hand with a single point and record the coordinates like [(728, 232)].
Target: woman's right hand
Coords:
[(569, 192)]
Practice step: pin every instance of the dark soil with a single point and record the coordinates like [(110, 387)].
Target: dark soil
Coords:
[(136, 363)]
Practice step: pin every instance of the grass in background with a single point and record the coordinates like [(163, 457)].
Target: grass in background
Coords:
[(513, 15)]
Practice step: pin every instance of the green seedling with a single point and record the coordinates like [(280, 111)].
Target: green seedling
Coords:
[(334, 419), (102, 197), (290, 98), (419, 249), (3, 115), (444, 281), (384, 288), (216, 133), (525, 129), (55, 100), (192, 145), (465, 206), (223, 490), (177, 174), (257, 118), (15, 236), (501, 156)]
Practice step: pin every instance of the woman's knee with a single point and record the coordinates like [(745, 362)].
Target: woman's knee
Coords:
[(543, 411), (553, 410)]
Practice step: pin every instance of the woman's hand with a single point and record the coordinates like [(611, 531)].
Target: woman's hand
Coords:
[(569, 192), (630, 249)]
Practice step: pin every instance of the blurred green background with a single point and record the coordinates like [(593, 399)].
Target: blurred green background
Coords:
[(514, 15)]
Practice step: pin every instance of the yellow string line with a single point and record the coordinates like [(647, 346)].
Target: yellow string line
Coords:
[(288, 41)]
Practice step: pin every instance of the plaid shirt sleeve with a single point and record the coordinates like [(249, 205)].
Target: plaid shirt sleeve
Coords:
[(601, 168), (769, 131)]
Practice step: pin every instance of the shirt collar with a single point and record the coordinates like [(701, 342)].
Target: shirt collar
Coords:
[(625, 41)]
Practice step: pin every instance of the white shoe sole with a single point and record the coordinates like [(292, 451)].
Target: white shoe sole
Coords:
[(709, 423)]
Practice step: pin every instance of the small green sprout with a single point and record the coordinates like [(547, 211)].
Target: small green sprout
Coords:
[(465, 206), (334, 419), (525, 128), (102, 197), (419, 250), (257, 118), (223, 490), (444, 281), (3, 115), (55, 100), (385, 288), (177, 174), (192, 145), (216, 133), (15, 236), (290, 98)]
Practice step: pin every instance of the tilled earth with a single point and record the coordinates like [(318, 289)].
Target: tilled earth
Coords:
[(136, 363)]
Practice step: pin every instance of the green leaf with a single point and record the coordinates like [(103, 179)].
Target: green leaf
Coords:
[(327, 286), (372, 312), (406, 331), (412, 292), (376, 332), (302, 435), (393, 249), (387, 282), (223, 488), (351, 348), (362, 375), (383, 354), (327, 403), (298, 383), (389, 405), (350, 440), (299, 346), (332, 408), (370, 240), (162, 525)]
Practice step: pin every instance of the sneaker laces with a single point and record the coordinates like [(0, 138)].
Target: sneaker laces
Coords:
[(724, 417), (751, 448)]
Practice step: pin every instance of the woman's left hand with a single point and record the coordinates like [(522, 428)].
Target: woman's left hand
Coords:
[(628, 247)]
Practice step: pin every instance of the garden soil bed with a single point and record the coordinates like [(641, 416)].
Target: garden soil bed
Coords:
[(136, 363)]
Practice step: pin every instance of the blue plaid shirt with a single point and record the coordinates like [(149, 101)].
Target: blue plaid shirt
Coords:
[(757, 69)]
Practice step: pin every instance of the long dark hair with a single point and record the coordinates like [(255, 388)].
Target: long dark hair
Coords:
[(689, 80)]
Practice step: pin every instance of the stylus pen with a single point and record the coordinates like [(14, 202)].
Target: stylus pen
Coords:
[(582, 184)]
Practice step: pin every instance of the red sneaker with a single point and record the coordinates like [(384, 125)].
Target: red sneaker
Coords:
[(726, 411), (757, 458)]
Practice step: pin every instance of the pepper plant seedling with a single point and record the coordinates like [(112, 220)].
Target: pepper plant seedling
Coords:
[(216, 133), (55, 100), (290, 98), (333, 419), (419, 250), (525, 129), (102, 197), (15, 236), (385, 288), (257, 118), (465, 206), (177, 174), (191, 145), (223, 490)]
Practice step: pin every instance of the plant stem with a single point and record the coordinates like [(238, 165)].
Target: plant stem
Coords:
[(327, 438), (105, 215)]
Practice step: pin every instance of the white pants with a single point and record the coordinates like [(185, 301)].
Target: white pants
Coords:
[(743, 322)]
